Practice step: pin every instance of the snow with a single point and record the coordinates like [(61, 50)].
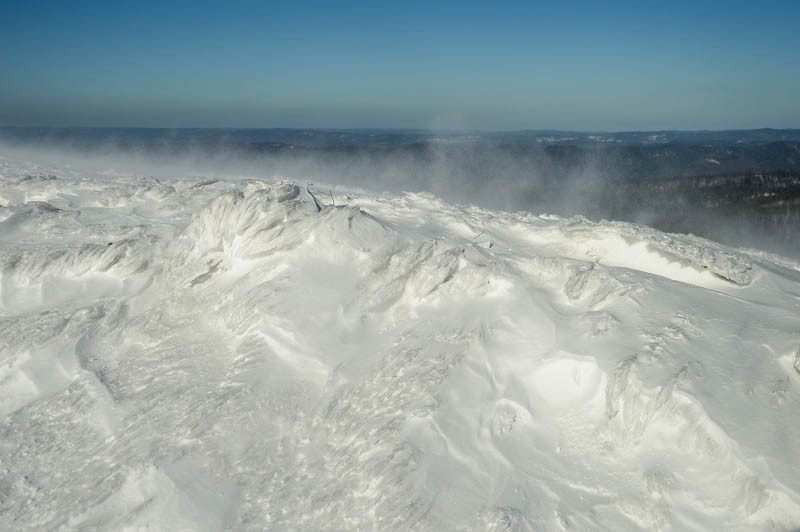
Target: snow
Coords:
[(208, 354)]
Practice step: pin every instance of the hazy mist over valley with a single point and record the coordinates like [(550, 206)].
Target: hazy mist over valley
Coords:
[(739, 187)]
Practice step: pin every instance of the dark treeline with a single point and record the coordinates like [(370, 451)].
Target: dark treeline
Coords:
[(760, 210)]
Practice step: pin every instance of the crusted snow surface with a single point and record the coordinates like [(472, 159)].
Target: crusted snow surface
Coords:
[(210, 355)]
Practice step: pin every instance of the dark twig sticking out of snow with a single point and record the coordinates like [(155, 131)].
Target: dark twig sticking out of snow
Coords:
[(317, 204)]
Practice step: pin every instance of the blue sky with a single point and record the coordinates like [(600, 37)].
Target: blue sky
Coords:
[(499, 65)]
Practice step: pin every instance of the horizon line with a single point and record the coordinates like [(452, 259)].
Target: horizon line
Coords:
[(405, 129)]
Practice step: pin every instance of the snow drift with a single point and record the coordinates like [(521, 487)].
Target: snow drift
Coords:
[(211, 355)]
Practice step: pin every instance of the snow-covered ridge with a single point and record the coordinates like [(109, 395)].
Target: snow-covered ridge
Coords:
[(214, 355)]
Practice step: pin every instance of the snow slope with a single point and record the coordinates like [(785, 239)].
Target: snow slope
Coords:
[(208, 355)]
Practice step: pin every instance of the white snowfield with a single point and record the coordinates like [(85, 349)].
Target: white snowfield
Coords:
[(219, 355)]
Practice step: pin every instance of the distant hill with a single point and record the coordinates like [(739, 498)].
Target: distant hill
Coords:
[(317, 138)]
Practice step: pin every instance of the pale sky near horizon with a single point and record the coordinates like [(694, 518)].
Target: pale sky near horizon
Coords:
[(485, 65)]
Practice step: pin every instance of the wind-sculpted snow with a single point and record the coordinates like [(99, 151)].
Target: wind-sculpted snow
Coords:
[(720, 261), (210, 355)]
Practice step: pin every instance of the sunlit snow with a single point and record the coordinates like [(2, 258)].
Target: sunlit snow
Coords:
[(209, 355)]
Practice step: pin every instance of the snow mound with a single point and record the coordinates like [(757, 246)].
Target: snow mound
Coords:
[(685, 258), (214, 356), (725, 263)]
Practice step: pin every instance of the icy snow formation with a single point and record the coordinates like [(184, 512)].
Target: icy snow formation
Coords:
[(210, 355)]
